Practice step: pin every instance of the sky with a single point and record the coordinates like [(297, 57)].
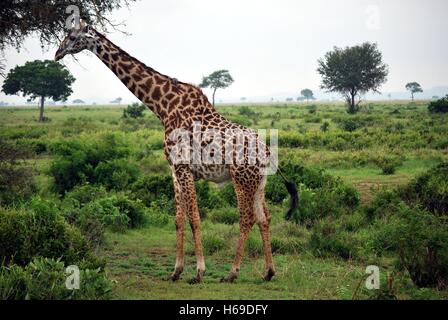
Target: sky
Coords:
[(269, 46)]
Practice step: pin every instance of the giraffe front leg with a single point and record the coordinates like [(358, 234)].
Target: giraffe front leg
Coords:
[(185, 180)]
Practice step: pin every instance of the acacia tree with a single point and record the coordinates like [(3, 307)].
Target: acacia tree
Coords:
[(40, 79), (220, 79), (307, 94), (414, 87), (353, 71), (46, 19)]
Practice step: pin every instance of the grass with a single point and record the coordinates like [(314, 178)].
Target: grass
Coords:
[(139, 260)]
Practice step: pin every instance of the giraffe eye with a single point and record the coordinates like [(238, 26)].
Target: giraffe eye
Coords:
[(72, 38)]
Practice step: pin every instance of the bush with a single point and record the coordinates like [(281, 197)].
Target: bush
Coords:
[(388, 164), (226, 215), (227, 193), (16, 178), (40, 231), (325, 126), (420, 240), (439, 106), (320, 194), (134, 110), (349, 124), (116, 174), (207, 198), (134, 210), (83, 194), (117, 212), (149, 188), (430, 189), (212, 243), (77, 159), (318, 203), (328, 239), (44, 279)]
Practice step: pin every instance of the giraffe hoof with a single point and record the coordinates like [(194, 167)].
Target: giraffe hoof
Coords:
[(195, 280), (269, 274), (229, 279), (173, 277)]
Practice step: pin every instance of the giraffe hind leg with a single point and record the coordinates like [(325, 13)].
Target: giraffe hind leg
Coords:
[(245, 194)]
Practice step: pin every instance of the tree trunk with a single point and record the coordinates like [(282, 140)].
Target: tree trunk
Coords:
[(41, 111), (214, 91), (412, 95), (352, 104)]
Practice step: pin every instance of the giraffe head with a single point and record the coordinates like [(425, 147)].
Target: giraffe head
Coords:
[(78, 39)]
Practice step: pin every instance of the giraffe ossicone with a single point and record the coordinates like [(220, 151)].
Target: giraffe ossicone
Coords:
[(186, 113)]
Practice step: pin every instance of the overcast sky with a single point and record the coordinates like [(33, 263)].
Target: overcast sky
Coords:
[(269, 46)]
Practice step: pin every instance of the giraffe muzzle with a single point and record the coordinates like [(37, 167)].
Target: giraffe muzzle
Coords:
[(59, 55)]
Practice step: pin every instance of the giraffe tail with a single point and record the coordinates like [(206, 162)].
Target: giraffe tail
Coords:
[(292, 190)]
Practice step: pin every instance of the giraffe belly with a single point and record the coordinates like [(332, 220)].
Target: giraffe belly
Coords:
[(214, 173)]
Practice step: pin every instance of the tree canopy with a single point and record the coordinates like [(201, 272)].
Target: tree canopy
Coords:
[(353, 71), (46, 19), (414, 87), (307, 94), (39, 79), (220, 79)]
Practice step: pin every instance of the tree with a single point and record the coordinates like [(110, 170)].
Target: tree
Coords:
[(220, 79), (117, 100), (78, 101), (46, 19), (414, 87), (307, 94), (40, 79), (353, 71), (134, 110)]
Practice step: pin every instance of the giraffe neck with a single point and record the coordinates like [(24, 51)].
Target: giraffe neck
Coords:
[(148, 85)]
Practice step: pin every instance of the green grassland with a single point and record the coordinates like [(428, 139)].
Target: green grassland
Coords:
[(356, 148)]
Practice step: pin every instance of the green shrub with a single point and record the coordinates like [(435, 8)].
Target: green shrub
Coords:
[(388, 164), (383, 205), (439, 106), (16, 177), (227, 193), (226, 215), (207, 198), (254, 245), (134, 210), (350, 124), (275, 191), (325, 126), (77, 159), (152, 187), (327, 239), (420, 240), (285, 246), (212, 243), (429, 189), (83, 194), (134, 110), (44, 279), (117, 212), (40, 231), (116, 174)]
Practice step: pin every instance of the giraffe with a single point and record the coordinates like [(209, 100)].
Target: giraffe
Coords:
[(179, 105)]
